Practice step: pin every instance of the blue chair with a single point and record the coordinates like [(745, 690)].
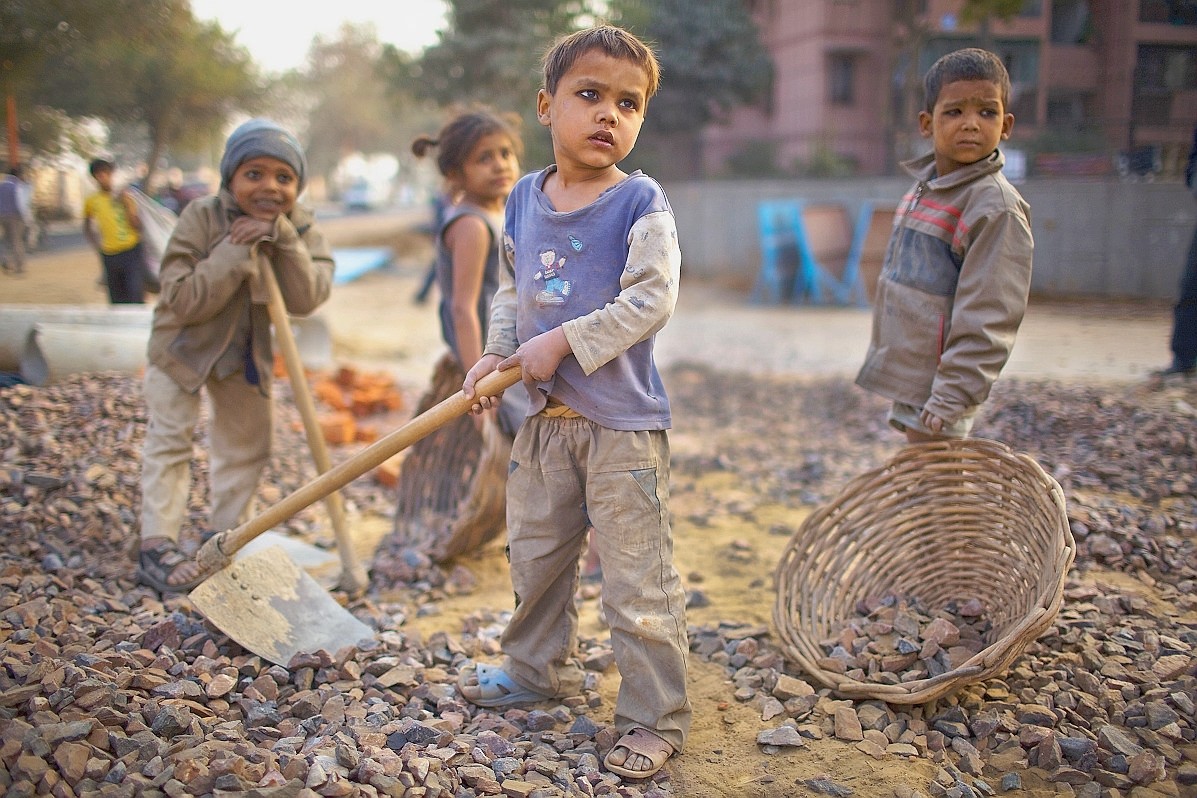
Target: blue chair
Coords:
[(825, 245), (781, 275), (870, 238), (815, 251)]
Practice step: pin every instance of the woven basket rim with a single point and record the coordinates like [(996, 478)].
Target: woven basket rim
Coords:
[(942, 459)]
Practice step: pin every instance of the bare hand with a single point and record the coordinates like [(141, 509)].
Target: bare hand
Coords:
[(931, 421), (539, 357), (248, 230), (485, 365)]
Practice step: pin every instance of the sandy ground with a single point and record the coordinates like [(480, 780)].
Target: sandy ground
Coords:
[(376, 325)]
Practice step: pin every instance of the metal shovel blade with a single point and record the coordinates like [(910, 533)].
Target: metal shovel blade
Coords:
[(273, 608)]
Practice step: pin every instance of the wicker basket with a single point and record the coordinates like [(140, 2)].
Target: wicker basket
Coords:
[(940, 521)]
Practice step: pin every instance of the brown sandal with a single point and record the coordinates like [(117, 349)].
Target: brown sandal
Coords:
[(158, 563), (639, 742)]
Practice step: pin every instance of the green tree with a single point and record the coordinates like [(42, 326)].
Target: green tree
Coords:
[(177, 78), (490, 53), (32, 34), (353, 106), (712, 61)]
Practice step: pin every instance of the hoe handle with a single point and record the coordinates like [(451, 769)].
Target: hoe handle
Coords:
[(219, 550)]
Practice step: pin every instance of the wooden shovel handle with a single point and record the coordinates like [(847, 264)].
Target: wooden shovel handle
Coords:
[(353, 576), (219, 550)]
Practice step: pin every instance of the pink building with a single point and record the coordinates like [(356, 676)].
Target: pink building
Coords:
[(1098, 77)]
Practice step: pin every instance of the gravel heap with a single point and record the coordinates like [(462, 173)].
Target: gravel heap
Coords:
[(1103, 704), (108, 689)]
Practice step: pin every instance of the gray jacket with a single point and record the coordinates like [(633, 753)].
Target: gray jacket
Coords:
[(953, 289), (212, 306)]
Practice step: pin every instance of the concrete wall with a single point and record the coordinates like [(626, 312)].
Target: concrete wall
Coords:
[(1100, 238)]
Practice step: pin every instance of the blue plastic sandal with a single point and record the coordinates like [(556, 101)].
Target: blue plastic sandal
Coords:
[(494, 687)]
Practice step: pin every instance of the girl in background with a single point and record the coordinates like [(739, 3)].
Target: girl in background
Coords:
[(454, 481), (478, 155)]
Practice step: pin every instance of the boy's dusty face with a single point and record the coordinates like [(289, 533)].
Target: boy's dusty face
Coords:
[(968, 121), (264, 187), (103, 178), (596, 112)]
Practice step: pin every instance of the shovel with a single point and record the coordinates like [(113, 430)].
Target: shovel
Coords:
[(267, 604), (353, 578)]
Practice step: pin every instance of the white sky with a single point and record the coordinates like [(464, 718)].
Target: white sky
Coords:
[(279, 34)]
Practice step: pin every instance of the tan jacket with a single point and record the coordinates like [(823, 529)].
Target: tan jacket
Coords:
[(952, 291), (212, 301)]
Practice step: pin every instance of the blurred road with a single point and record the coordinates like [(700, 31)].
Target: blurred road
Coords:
[(375, 320)]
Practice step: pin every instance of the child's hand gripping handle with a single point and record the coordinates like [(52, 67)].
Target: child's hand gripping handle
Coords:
[(219, 550)]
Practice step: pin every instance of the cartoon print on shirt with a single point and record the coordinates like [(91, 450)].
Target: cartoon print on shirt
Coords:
[(555, 289)]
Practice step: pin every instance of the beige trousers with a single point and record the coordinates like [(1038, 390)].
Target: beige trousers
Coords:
[(566, 474), (14, 228), (239, 434)]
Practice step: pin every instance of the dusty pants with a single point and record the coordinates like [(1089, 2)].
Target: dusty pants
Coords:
[(240, 437), (14, 228), (566, 474)]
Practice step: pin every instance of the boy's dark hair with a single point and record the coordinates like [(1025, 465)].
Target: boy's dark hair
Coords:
[(100, 165), (971, 63), (462, 132), (615, 42)]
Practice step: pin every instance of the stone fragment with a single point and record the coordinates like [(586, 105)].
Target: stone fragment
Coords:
[(781, 736), (847, 725)]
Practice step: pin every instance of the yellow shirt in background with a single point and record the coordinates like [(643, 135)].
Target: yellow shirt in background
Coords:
[(116, 234)]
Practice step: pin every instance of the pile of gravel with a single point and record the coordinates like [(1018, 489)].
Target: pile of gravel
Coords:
[(108, 689)]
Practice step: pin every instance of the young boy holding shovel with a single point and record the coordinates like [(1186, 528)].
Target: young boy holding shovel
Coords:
[(211, 331), (590, 274)]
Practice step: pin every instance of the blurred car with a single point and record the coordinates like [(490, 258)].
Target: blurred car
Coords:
[(365, 195)]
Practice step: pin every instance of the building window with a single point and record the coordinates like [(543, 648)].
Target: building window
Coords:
[(1070, 22), (1160, 72), (1161, 68), (1069, 110), (1171, 12), (841, 77)]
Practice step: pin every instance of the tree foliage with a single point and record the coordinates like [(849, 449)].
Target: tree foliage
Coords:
[(143, 63), (490, 53), (978, 11), (357, 102), (491, 50), (711, 55), (36, 32)]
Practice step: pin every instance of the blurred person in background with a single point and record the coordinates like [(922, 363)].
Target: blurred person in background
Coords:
[(16, 219)]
